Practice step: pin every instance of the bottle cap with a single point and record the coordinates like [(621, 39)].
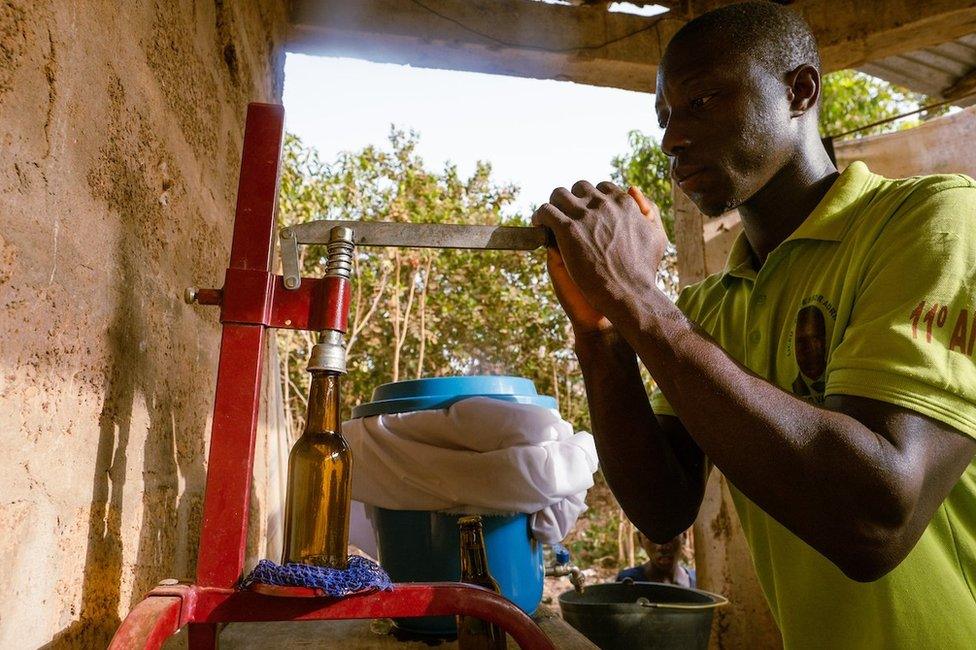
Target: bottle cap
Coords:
[(329, 353), (469, 520)]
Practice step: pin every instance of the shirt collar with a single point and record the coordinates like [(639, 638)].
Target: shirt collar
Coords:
[(829, 221), (739, 264), (834, 214)]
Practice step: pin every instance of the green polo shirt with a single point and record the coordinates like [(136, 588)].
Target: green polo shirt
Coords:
[(874, 295)]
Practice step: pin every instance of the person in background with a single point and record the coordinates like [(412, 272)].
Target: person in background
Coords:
[(663, 564)]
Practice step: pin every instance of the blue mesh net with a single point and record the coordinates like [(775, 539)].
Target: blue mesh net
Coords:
[(360, 575)]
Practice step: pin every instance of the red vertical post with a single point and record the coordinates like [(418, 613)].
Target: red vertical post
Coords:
[(230, 463)]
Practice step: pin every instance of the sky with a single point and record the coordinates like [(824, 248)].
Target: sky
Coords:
[(537, 134)]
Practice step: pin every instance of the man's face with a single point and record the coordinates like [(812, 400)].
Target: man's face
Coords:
[(727, 125), (663, 556)]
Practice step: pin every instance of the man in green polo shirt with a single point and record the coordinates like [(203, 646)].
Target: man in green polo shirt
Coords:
[(828, 371)]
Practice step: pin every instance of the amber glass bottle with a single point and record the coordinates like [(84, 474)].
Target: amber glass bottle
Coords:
[(319, 471), (473, 633)]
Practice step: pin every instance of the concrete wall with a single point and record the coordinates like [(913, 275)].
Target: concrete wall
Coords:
[(943, 145), (120, 135)]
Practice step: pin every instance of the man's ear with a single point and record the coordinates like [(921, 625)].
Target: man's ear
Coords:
[(803, 89)]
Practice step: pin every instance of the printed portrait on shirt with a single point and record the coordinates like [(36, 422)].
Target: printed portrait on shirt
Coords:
[(810, 349)]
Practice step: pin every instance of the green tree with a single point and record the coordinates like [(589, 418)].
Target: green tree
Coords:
[(648, 168), (852, 99), (424, 312)]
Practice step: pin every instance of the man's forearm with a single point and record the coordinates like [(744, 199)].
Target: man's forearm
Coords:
[(801, 464), (660, 487)]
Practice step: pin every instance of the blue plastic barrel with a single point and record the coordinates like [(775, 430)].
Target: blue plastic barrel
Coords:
[(423, 546)]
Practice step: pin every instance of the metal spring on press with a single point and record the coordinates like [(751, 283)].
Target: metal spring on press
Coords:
[(340, 249)]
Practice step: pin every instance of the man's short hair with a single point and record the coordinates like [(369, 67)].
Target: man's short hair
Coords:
[(778, 37)]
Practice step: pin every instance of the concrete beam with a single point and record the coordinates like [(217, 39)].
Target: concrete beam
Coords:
[(963, 86), (852, 32), (586, 44)]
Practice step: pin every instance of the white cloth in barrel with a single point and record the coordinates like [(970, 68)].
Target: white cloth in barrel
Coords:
[(480, 455)]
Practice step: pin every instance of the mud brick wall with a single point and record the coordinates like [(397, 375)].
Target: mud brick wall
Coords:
[(120, 136)]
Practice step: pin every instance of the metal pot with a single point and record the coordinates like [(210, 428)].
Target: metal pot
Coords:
[(630, 615)]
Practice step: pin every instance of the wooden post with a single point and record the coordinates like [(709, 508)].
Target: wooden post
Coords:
[(722, 559), (723, 565), (688, 239), (703, 243)]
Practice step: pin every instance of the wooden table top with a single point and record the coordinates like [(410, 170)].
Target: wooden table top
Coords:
[(372, 635)]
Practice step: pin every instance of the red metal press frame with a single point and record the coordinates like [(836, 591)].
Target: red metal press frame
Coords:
[(253, 300)]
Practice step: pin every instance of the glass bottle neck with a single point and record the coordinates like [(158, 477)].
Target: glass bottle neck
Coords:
[(323, 403), (474, 558)]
